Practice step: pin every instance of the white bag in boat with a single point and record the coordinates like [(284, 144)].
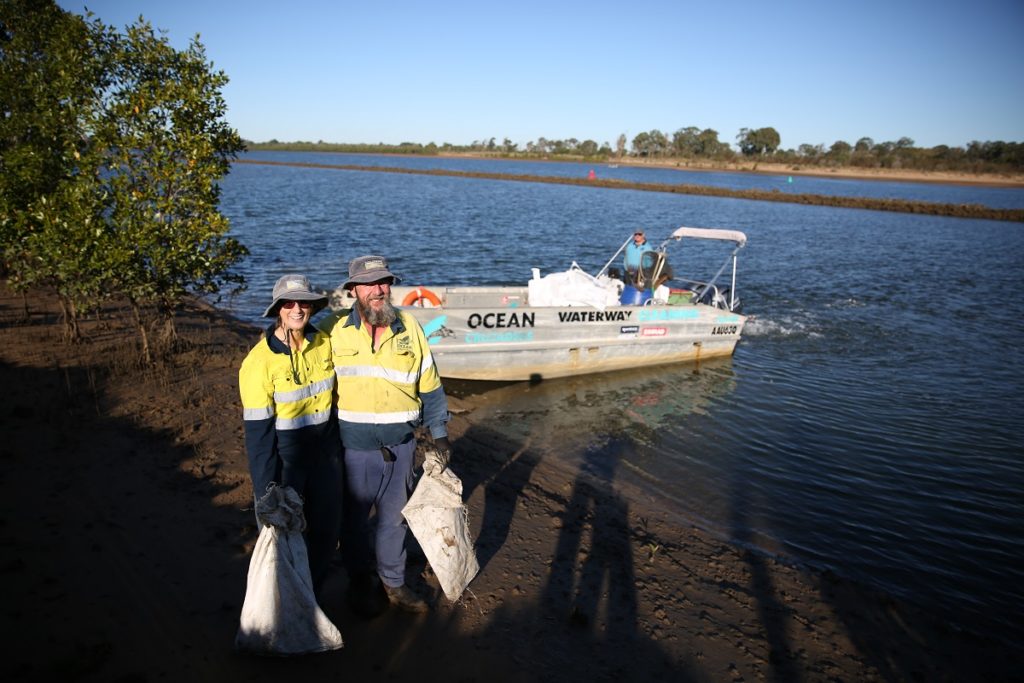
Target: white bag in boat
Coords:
[(574, 287), (440, 522), (280, 615)]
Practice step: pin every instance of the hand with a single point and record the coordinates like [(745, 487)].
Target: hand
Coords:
[(443, 449)]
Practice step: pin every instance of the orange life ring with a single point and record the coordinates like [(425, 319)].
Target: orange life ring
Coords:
[(417, 296)]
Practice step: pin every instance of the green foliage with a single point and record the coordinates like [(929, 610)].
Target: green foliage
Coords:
[(839, 153), (50, 72), (651, 144), (167, 146), (761, 142), (113, 144), (692, 142)]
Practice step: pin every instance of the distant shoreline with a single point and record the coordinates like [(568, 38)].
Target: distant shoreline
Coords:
[(760, 168), (1007, 180)]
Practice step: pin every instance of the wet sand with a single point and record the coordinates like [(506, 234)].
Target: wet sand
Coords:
[(127, 530)]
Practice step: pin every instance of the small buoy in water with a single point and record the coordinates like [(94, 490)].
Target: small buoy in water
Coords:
[(591, 175), (789, 179)]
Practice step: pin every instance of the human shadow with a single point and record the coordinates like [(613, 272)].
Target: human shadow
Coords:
[(770, 609), (584, 625), (502, 475), (593, 556)]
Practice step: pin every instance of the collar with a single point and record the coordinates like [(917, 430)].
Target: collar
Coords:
[(277, 346)]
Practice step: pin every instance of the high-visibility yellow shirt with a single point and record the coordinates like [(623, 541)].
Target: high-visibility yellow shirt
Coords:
[(287, 401), (384, 392)]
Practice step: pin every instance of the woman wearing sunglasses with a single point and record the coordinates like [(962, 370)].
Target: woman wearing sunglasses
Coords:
[(288, 393)]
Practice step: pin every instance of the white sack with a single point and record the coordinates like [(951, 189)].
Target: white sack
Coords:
[(440, 522), (574, 287), (280, 615)]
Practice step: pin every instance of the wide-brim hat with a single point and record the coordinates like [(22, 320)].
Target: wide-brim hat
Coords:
[(366, 269), (294, 287)]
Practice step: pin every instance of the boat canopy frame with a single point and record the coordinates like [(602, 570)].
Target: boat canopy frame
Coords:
[(738, 238)]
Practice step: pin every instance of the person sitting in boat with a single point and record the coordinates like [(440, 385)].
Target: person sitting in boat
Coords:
[(634, 253)]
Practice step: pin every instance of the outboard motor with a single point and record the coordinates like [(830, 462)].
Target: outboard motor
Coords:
[(719, 298)]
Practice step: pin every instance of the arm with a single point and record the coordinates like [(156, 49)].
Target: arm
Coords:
[(435, 412), (258, 414), (435, 403)]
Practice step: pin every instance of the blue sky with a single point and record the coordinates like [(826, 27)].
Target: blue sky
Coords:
[(816, 71)]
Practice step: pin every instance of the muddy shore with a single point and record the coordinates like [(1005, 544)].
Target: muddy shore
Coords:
[(127, 531)]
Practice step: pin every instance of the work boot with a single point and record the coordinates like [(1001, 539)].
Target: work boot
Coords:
[(403, 597)]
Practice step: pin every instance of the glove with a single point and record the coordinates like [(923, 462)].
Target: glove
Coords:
[(443, 449)]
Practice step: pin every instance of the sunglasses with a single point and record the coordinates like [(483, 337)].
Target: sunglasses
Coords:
[(638, 234), (288, 305)]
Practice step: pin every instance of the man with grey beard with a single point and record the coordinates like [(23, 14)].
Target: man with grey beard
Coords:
[(387, 386)]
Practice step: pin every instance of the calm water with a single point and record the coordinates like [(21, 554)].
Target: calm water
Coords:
[(869, 423), (996, 197)]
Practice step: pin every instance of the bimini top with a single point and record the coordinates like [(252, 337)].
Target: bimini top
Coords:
[(711, 234)]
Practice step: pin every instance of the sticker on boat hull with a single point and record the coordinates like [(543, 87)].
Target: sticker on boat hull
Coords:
[(435, 330), (498, 337), (650, 315), (654, 332)]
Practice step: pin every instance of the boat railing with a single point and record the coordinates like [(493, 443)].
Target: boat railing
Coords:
[(711, 296), (606, 266)]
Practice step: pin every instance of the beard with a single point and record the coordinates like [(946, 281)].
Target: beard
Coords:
[(382, 317)]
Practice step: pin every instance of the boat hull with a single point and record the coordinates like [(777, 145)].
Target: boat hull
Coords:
[(489, 333)]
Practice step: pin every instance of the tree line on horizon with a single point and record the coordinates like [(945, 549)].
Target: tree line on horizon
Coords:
[(695, 144)]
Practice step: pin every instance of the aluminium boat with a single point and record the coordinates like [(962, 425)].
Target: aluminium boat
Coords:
[(573, 323)]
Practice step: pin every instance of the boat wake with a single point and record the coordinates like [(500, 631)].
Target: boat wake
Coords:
[(785, 327)]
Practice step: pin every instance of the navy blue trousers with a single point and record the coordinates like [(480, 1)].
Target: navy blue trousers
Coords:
[(372, 483), (315, 472)]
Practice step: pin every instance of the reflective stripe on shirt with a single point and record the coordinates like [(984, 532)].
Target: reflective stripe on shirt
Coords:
[(379, 418), (428, 362), (303, 420), (258, 413), (377, 372), (308, 391)]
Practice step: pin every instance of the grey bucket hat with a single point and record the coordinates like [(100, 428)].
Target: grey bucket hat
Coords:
[(294, 287), (365, 269)]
